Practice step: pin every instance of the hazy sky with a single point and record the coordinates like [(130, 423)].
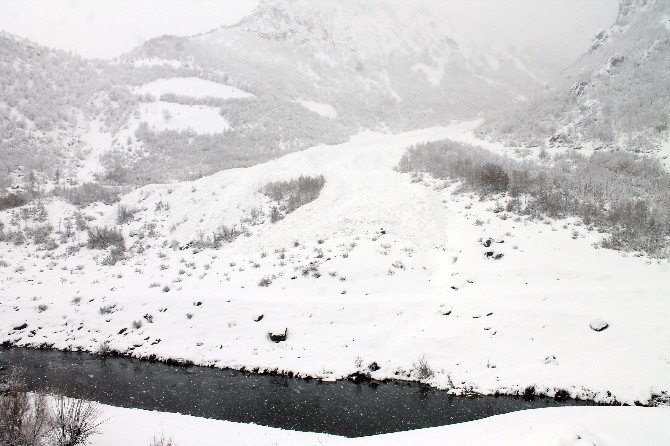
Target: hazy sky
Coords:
[(107, 28)]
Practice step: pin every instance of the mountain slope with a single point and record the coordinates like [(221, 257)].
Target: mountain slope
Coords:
[(376, 62), (617, 95)]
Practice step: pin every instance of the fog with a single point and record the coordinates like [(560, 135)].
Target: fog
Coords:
[(108, 28)]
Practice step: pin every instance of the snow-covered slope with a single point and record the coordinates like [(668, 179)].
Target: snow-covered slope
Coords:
[(380, 267), (616, 95), (193, 87), (377, 62)]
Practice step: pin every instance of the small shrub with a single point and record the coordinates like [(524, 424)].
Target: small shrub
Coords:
[(422, 368), (104, 349), (103, 238), (137, 324), (107, 309), (265, 282), (125, 214), (75, 421), (162, 441)]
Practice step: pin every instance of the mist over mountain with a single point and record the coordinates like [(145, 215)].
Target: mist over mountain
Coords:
[(616, 95), (376, 62)]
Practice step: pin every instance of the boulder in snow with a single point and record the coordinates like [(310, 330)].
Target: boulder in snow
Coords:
[(598, 325), (278, 337)]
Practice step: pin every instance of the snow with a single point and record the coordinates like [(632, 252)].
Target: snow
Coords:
[(157, 62), (433, 74), (420, 286), (169, 116), (97, 142), (193, 87), (325, 110), (492, 62), (523, 68), (568, 426)]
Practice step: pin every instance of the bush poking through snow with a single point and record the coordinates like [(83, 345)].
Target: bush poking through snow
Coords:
[(103, 238), (265, 282), (223, 234), (422, 368), (162, 441), (75, 421), (104, 349), (107, 309), (290, 195), (125, 214)]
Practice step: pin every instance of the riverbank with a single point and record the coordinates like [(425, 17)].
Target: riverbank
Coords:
[(353, 408)]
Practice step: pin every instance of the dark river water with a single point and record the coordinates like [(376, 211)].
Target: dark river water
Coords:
[(342, 408)]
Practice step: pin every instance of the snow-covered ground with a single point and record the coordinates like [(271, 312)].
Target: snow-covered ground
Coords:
[(162, 115), (325, 110), (193, 87), (569, 426), (380, 268)]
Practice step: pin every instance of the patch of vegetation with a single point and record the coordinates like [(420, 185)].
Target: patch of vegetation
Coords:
[(290, 195), (13, 200), (624, 194), (88, 193), (103, 238), (32, 420)]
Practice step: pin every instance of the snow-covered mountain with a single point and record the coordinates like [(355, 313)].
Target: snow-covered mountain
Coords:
[(615, 95), (378, 62)]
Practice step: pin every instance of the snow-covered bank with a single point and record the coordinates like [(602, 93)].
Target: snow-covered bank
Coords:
[(379, 269), (569, 426)]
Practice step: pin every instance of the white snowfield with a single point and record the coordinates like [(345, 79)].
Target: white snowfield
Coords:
[(325, 110), (377, 269), (194, 87), (568, 426), (161, 116)]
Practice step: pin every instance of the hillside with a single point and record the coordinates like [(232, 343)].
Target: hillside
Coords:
[(376, 63), (617, 95), (187, 270)]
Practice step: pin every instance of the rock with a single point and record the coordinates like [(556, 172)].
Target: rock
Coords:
[(278, 337), (21, 327), (579, 88), (598, 325), (258, 318), (374, 367)]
